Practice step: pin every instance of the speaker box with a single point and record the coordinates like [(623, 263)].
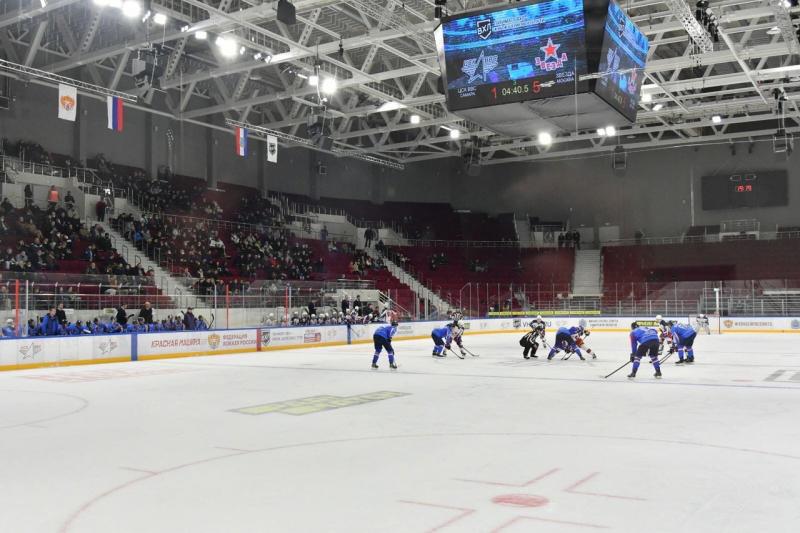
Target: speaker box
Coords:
[(286, 12), (619, 159)]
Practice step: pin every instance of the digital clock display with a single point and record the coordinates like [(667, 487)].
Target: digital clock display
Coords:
[(746, 189), (512, 54)]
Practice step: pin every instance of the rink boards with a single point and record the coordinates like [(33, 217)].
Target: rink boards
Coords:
[(35, 352)]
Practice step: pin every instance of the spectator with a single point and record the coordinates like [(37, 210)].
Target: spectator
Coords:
[(69, 200), (576, 238), (323, 233), (368, 236), (345, 304), (52, 198), (100, 209), (357, 303), (6, 207), (92, 269), (146, 313), (28, 196), (189, 320)]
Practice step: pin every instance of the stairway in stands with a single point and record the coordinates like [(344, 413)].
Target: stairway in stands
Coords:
[(412, 289), (170, 285), (586, 275)]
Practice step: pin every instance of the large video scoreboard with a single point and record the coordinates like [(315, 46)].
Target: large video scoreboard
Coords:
[(511, 54), (539, 49), (622, 61)]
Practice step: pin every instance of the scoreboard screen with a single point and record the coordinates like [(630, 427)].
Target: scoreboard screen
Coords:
[(622, 61), (511, 54), (748, 189)]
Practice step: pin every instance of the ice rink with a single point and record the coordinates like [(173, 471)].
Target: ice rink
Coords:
[(315, 441)]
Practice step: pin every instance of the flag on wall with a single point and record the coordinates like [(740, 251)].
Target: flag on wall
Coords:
[(272, 149), (241, 142), (115, 113), (67, 102)]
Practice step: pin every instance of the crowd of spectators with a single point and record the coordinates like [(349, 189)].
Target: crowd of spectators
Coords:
[(363, 263), (270, 255), (45, 237), (569, 239), (437, 260)]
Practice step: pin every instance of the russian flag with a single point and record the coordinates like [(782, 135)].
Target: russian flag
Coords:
[(115, 112), (241, 142)]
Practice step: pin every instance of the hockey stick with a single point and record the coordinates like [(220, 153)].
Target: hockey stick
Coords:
[(617, 370), (211, 325), (472, 354), (665, 357), (456, 353)]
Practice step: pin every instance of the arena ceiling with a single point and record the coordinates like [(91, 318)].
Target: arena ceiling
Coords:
[(387, 58)]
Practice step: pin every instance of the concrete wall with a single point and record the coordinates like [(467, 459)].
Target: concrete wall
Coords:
[(653, 194)]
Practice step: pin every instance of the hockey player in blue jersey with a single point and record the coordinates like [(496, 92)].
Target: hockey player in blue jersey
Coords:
[(566, 340), (683, 336), (443, 337), (383, 339), (644, 341)]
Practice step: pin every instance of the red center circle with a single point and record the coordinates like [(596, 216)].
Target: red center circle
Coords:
[(520, 500)]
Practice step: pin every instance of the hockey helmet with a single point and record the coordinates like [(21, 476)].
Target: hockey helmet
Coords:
[(634, 325)]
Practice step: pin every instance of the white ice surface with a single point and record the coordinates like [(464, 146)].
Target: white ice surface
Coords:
[(495, 443)]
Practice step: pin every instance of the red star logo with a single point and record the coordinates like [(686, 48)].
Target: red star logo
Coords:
[(550, 50)]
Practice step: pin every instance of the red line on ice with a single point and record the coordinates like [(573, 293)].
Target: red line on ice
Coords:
[(465, 512), (572, 489)]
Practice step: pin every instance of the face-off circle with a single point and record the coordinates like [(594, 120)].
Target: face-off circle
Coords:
[(521, 500)]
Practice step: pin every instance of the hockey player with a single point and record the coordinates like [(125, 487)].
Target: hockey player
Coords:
[(683, 336), (565, 340), (580, 341), (644, 341), (529, 341), (458, 333), (8, 330), (442, 338), (383, 339)]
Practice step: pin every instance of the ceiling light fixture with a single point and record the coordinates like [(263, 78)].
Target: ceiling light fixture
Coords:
[(611, 131), (390, 106), (131, 8), (455, 133), (329, 85), (658, 107), (160, 19), (227, 47), (414, 119), (545, 139), (716, 119)]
